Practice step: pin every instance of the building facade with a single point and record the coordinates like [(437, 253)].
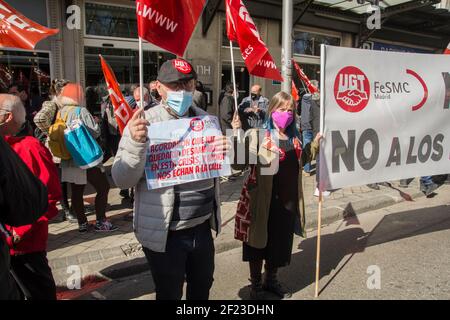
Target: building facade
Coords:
[(108, 27)]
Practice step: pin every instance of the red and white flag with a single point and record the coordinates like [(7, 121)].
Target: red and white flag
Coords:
[(294, 92), (241, 28), (447, 50), (169, 24), (312, 89), (122, 110), (17, 31)]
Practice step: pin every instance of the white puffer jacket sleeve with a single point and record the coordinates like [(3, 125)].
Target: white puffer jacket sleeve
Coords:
[(129, 163)]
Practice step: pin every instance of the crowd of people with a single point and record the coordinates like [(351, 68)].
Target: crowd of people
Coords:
[(173, 224)]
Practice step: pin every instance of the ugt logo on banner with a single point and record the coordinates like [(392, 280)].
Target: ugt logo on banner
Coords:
[(352, 89)]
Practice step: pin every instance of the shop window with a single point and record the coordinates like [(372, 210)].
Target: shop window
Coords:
[(110, 21), (307, 43), (28, 69)]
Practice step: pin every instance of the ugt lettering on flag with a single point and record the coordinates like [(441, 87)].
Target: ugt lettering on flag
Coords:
[(122, 110), (169, 24), (17, 31), (241, 28)]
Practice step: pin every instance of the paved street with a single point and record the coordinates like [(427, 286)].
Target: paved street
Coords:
[(405, 244)]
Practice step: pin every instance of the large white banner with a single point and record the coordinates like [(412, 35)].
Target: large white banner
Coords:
[(386, 116)]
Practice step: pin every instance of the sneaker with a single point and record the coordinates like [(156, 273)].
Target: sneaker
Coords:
[(69, 216), (84, 227), (324, 193), (374, 186), (105, 226), (429, 190)]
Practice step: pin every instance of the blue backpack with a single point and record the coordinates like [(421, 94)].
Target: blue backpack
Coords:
[(82, 146)]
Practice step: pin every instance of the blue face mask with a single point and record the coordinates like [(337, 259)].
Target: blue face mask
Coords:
[(179, 101)]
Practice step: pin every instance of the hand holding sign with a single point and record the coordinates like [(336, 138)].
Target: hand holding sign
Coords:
[(138, 126)]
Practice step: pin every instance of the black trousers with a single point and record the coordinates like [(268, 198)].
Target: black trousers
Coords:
[(8, 288), (189, 256), (34, 273)]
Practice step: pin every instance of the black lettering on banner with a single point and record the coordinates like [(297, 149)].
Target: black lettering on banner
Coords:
[(411, 158), (395, 154), (423, 157), (437, 146), (340, 149), (369, 135)]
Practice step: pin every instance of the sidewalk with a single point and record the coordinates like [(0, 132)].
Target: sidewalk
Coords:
[(66, 246)]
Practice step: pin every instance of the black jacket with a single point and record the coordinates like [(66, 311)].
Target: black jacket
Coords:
[(23, 199), (226, 110), (310, 114)]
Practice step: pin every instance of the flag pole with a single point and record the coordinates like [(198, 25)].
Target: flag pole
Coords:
[(319, 210), (319, 223), (141, 74), (233, 76)]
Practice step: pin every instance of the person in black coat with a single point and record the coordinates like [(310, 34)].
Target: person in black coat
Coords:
[(227, 108), (23, 200)]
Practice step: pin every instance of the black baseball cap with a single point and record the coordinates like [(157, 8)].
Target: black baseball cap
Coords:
[(176, 70)]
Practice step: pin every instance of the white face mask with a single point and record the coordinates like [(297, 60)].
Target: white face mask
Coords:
[(179, 101)]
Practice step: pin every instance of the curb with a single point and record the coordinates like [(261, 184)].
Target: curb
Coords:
[(136, 262)]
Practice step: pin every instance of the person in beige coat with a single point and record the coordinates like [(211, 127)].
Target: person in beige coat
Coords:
[(271, 208)]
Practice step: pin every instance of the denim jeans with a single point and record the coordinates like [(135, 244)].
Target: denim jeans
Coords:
[(307, 138), (426, 181), (189, 255)]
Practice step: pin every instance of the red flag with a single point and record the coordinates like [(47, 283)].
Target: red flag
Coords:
[(447, 50), (17, 31), (169, 24), (122, 110), (294, 92), (241, 28), (312, 89)]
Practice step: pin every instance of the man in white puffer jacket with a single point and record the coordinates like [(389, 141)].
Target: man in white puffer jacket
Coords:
[(173, 224)]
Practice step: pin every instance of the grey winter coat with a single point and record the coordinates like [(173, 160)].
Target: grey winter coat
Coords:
[(152, 209)]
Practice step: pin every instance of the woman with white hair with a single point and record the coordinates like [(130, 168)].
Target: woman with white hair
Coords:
[(71, 99)]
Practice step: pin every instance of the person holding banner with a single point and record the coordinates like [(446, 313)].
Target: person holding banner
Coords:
[(173, 223), (271, 208)]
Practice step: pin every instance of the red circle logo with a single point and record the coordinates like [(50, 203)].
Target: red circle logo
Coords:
[(351, 89), (182, 66), (197, 124)]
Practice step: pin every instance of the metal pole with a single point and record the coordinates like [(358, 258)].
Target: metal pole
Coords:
[(233, 77), (141, 74), (286, 50)]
